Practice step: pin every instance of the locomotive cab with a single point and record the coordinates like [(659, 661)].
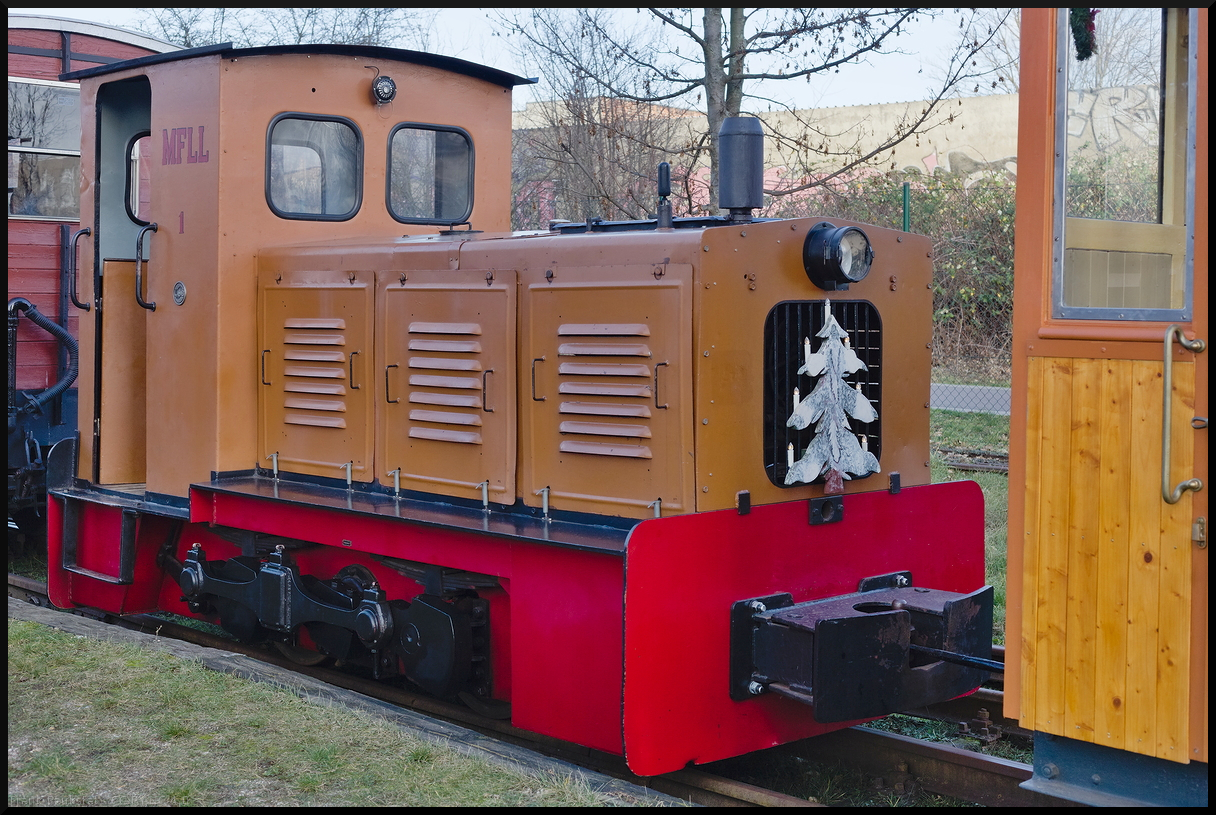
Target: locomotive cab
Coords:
[(180, 180), (338, 408)]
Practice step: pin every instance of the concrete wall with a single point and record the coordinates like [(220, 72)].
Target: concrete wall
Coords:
[(966, 135)]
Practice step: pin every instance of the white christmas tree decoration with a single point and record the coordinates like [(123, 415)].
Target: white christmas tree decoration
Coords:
[(834, 452)]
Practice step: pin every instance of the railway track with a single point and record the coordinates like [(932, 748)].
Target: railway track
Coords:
[(901, 762), (961, 458)]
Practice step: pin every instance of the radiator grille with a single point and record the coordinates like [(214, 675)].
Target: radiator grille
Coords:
[(785, 329)]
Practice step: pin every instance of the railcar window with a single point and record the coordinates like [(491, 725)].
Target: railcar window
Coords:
[(314, 167), (430, 175), (1124, 176), (43, 150)]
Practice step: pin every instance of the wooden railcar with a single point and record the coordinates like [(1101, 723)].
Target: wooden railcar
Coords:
[(330, 401), (1108, 558)]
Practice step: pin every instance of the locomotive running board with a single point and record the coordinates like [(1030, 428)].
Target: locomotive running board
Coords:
[(256, 503), (889, 647)]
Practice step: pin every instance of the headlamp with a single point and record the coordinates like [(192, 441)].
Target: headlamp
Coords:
[(835, 256)]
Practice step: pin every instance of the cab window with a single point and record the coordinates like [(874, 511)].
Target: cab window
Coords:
[(314, 167), (430, 174)]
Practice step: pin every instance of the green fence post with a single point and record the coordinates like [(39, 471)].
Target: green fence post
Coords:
[(907, 206)]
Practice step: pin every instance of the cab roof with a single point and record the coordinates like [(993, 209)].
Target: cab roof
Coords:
[(226, 50)]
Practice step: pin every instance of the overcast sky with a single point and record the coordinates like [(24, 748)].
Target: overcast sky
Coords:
[(468, 33)]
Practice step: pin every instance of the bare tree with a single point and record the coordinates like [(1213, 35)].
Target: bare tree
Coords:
[(705, 57), (1001, 55), (1127, 53), (588, 155), (248, 27)]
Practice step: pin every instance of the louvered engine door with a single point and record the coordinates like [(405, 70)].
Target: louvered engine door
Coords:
[(315, 392), (607, 390), (446, 368)]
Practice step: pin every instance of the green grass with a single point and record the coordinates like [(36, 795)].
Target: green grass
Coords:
[(95, 723), (972, 431), (979, 431), (946, 733), (27, 553)]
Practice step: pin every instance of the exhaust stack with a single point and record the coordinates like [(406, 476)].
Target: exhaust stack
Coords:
[(741, 166)]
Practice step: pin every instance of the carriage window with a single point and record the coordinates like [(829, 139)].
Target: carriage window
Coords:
[(314, 167), (430, 175), (1123, 153), (139, 195), (43, 150)]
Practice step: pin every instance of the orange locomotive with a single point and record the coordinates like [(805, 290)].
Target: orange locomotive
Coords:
[(659, 488), (1108, 558)]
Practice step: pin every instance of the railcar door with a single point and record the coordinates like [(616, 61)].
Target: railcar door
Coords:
[(1108, 476)]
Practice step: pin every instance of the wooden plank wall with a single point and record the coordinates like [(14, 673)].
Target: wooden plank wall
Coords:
[(1107, 568), (33, 273)]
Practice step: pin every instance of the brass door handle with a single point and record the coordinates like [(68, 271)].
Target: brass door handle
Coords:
[(1197, 346)]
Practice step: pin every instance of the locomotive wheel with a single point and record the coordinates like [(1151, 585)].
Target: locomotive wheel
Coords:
[(350, 580), (302, 656)]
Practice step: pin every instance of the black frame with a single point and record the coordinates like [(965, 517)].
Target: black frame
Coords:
[(316, 117), (388, 173), (127, 198)]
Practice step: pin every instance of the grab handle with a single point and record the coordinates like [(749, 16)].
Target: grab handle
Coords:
[(72, 270), (656, 386), (1197, 346), (386, 399), (536, 398), (483, 391), (139, 264)]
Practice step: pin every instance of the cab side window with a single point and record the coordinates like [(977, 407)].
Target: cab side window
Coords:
[(314, 167), (43, 150), (430, 174)]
